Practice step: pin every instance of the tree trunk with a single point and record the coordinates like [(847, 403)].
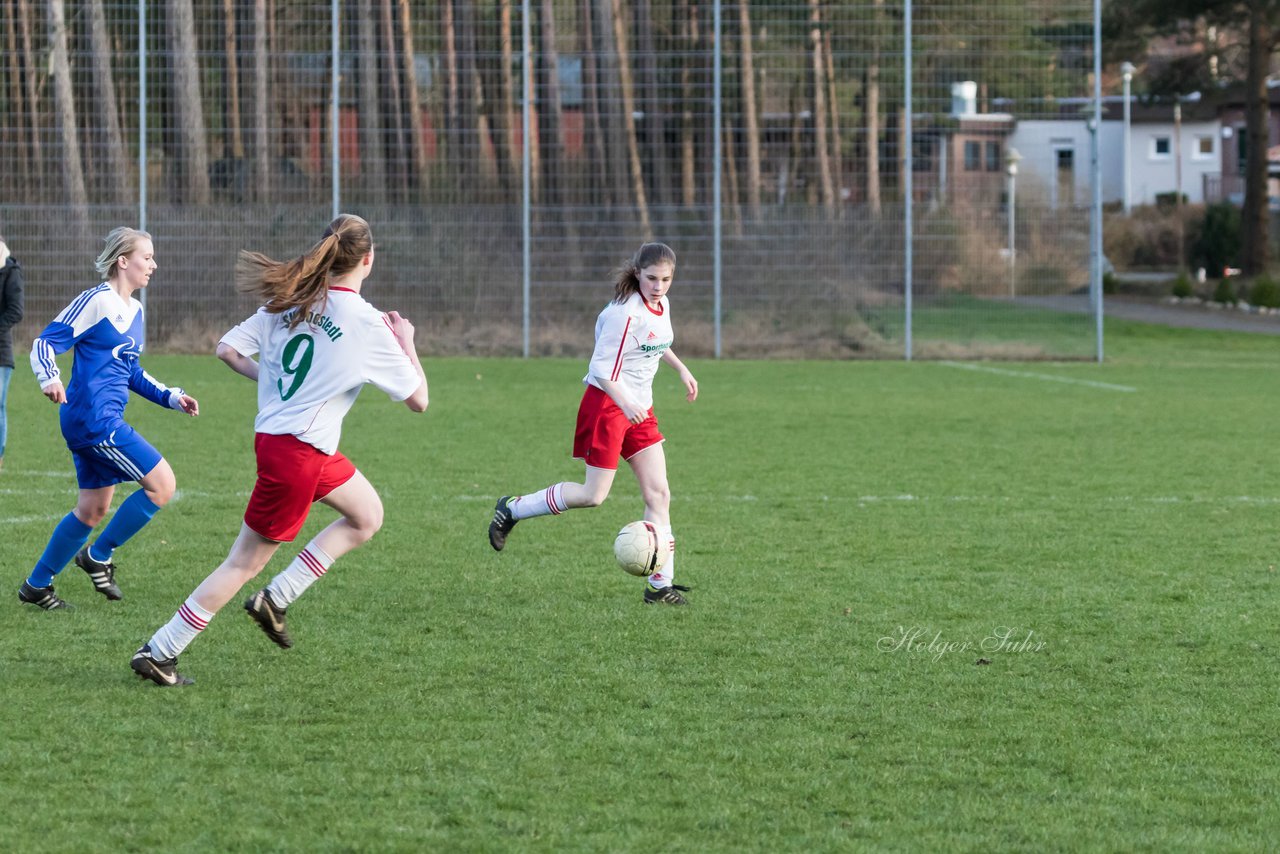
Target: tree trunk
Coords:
[(68, 131), (104, 93), (1256, 245), (262, 112), (611, 120), (600, 192), (509, 163), (629, 121), (393, 104), (16, 179), (231, 81), (750, 116), (417, 135), (652, 104), (873, 112), (469, 94), (837, 168), (818, 83), (30, 73), (373, 172), (688, 123), (550, 110), (193, 146)]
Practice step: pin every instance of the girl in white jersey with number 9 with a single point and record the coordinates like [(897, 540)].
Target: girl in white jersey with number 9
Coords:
[(318, 343), (615, 419)]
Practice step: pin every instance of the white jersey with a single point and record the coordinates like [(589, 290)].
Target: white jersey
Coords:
[(630, 340), (309, 376)]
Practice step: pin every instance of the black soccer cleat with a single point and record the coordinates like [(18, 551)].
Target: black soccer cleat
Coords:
[(266, 614), (665, 595), (42, 597), (102, 573), (162, 671), (502, 523)]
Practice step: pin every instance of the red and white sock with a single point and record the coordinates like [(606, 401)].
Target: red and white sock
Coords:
[(307, 568), (175, 635), (665, 576), (544, 502)]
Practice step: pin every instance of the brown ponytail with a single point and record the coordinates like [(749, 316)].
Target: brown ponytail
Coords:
[(626, 278), (304, 281)]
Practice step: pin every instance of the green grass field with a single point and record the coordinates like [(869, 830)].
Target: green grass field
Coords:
[(856, 534)]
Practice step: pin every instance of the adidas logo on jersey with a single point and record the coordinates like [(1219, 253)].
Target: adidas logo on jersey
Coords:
[(651, 337)]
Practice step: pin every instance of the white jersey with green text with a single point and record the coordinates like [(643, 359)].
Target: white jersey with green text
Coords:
[(630, 340), (309, 376)]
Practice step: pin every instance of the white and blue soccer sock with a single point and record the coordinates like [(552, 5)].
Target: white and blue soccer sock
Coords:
[(666, 576), (544, 502), (130, 518), (175, 635), (307, 568), (67, 538)]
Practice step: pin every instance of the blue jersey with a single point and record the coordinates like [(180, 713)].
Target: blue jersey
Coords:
[(105, 331)]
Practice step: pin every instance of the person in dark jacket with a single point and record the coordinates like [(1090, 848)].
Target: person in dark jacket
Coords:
[(10, 314)]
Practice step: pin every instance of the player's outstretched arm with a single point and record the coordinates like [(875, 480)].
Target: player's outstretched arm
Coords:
[(237, 361), (403, 331), (686, 376)]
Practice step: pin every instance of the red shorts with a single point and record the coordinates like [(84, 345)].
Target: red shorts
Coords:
[(292, 475), (604, 433)]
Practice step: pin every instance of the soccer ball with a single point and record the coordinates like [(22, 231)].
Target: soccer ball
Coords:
[(638, 549)]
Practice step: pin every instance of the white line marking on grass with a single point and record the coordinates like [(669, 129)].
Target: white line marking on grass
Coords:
[(23, 520), (1005, 372)]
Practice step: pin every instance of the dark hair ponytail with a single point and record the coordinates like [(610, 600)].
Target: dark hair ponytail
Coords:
[(304, 281), (626, 279)]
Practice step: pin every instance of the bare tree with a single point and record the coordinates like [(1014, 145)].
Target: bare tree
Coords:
[(594, 142), (469, 92), (818, 84), (629, 120), (108, 113), (16, 179), (873, 110), (833, 104), (231, 87), (262, 112), (750, 115), (68, 130), (32, 91), (653, 105), (393, 101), (193, 149), (417, 135), (550, 110), (688, 125), (504, 106), (372, 160)]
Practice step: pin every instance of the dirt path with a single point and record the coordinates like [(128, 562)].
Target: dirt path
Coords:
[(1148, 310)]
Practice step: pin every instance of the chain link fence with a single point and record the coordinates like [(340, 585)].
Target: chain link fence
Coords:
[(770, 143)]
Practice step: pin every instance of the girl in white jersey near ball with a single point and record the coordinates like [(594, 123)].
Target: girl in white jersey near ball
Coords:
[(615, 419), (318, 343)]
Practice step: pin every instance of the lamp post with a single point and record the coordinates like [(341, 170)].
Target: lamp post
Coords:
[(1011, 158), (1127, 69)]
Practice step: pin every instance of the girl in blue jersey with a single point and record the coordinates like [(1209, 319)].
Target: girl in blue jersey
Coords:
[(104, 327)]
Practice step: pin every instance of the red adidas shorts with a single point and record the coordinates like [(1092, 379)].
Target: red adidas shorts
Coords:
[(604, 433), (292, 476)]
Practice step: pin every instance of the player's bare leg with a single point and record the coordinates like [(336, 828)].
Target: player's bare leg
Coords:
[(650, 467), (554, 500)]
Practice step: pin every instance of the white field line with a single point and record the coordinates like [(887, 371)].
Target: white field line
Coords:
[(1030, 375)]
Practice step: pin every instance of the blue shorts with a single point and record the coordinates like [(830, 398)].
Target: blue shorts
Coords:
[(121, 457)]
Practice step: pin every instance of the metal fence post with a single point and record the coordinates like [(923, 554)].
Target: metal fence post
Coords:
[(718, 166), (908, 187), (335, 122)]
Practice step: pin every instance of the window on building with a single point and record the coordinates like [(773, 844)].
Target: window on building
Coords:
[(993, 157), (1161, 147), (1204, 147), (1066, 183), (972, 155)]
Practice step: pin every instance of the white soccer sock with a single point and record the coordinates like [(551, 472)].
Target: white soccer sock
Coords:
[(175, 635), (307, 568), (665, 576), (549, 501)]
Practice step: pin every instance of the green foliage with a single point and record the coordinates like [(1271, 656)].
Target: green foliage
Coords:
[(1217, 244), (442, 697), (1182, 285), (1224, 292), (1265, 292), (1110, 284)]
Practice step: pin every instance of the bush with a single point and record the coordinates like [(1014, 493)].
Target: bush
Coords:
[(1265, 292), (1110, 284), (1224, 292), (1182, 285), (1168, 200), (1218, 243)]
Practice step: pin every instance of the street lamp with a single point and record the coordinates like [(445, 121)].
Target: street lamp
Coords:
[(1011, 158), (1127, 70)]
